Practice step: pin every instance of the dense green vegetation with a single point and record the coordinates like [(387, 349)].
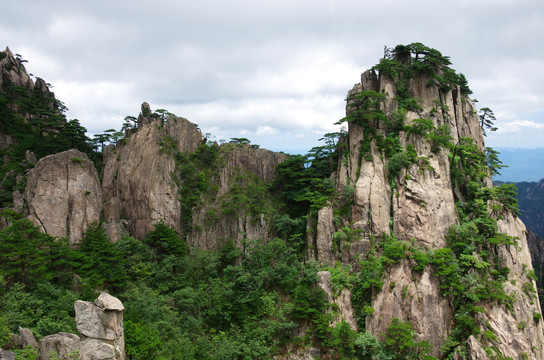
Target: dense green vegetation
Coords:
[(468, 270), (183, 303), (187, 303), (36, 122)]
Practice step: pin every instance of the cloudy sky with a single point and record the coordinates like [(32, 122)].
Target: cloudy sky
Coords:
[(276, 72)]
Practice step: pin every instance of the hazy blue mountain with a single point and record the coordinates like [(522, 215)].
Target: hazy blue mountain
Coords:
[(523, 164), (531, 203)]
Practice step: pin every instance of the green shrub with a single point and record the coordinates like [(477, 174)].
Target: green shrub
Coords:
[(399, 339), (141, 341)]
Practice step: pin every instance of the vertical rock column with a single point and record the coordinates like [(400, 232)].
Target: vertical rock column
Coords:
[(101, 326)]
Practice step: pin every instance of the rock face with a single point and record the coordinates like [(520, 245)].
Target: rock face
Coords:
[(520, 329), (423, 206), (243, 169), (342, 300), (138, 189), (417, 205), (101, 326), (59, 345), (531, 197), (13, 71), (141, 183), (536, 248), (63, 194), (324, 235)]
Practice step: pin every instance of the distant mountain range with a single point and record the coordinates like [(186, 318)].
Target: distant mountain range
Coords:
[(523, 164), (531, 204)]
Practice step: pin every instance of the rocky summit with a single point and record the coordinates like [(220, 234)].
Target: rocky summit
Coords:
[(389, 242)]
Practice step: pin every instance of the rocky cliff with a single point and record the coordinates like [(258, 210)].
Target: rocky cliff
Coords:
[(63, 195), (14, 77), (536, 248), (138, 189), (414, 235), (414, 142), (13, 70), (165, 171), (241, 208), (531, 199)]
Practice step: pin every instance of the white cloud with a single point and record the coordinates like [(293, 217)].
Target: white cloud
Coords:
[(520, 126), (266, 131), (98, 105), (271, 69)]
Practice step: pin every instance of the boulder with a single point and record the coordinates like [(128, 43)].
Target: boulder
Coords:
[(27, 338), (62, 345), (64, 195), (95, 349), (6, 355)]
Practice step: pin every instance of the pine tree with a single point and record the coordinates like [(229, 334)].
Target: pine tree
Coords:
[(100, 261), (27, 254)]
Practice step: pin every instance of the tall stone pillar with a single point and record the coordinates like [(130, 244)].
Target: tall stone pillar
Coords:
[(101, 326)]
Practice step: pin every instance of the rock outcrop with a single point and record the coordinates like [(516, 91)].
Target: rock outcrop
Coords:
[(519, 329), (63, 194), (138, 189), (142, 179), (27, 338), (61, 345), (6, 355), (101, 326), (13, 71), (341, 300), (536, 248), (244, 169), (415, 203), (13, 74)]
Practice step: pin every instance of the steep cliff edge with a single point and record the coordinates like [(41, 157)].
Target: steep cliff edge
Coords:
[(242, 207), (419, 255), (453, 256), (63, 195), (138, 189), (32, 125), (164, 171)]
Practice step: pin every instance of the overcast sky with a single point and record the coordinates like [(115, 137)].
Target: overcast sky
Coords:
[(276, 72)]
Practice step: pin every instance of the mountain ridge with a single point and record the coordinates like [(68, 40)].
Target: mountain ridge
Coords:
[(390, 240), (522, 164)]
